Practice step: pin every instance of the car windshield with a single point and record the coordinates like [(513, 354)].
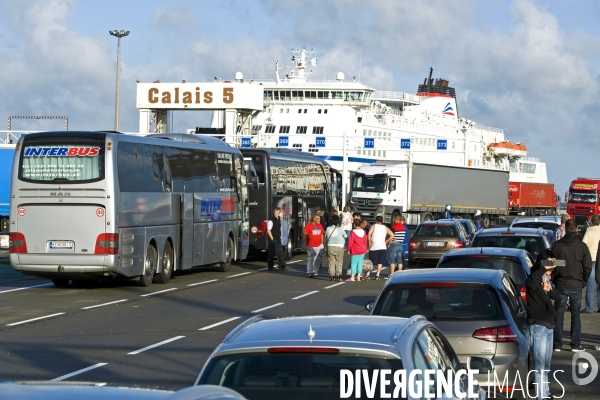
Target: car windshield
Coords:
[(447, 301), (532, 224), (533, 244), (435, 230), (290, 376), (511, 265)]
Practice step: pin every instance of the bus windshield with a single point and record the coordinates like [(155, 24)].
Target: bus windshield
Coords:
[(369, 183), (583, 197), (62, 160)]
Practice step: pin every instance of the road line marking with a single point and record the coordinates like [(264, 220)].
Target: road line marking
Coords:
[(304, 295), (160, 291), (233, 276), (156, 345), (293, 262), (266, 308), (35, 319), (105, 304), (337, 284), (218, 323), (202, 283), (81, 371), (28, 287), (264, 269)]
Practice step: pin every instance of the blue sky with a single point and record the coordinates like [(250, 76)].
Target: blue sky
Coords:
[(529, 67)]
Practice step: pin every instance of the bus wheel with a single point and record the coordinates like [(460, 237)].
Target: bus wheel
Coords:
[(61, 282), (167, 265), (224, 266), (289, 247), (149, 267)]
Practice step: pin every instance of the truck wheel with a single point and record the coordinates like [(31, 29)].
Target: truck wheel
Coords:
[(486, 221), (426, 216), (289, 247), (167, 265), (149, 267)]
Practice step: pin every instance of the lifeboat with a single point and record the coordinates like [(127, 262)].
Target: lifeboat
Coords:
[(520, 149), (501, 149)]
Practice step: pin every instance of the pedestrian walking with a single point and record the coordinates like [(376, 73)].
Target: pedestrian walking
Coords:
[(346, 217), (379, 238), (313, 244), (569, 281), (542, 302), (591, 239), (560, 231), (398, 245), (335, 239), (274, 232), (357, 248)]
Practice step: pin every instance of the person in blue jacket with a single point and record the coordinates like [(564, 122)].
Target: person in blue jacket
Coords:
[(446, 214), (478, 222), (397, 244)]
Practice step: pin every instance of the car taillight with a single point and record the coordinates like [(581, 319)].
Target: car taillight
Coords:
[(524, 293), (458, 244), (296, 350), (107, 243), (496, 334), (412, 244), (16, 243)]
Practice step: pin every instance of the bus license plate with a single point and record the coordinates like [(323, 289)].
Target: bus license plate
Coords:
[(434, 244), (62, 244)]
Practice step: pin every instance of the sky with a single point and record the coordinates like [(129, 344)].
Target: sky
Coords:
[(528, 67)]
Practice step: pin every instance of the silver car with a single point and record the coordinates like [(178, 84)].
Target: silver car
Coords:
[(306, 357)]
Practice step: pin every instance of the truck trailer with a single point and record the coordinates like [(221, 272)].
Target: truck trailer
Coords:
[(525, 198), (420, 192)]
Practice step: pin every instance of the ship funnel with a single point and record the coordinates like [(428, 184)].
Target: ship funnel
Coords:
[(339, 77), (239, 77)]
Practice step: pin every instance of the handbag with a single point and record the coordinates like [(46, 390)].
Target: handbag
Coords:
[(325, 247), (367, 265)]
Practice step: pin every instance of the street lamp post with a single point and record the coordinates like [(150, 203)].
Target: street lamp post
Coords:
[(118, 35)]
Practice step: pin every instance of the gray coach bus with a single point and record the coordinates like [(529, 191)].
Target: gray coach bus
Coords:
[(99, 204)]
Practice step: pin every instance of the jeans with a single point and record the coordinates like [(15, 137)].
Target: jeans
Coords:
[(275, 247), (394, 253), (356, 262), (540, 340), (315, 255), (575, 295), (590, 291)]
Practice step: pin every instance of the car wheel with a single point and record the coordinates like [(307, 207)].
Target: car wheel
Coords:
[(147, 276), (167, 265)]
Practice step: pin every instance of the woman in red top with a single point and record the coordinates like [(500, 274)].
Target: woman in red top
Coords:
[(357, 248)]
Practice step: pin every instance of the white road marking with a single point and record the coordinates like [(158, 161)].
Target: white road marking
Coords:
[(156, 345), (266, 308), (293, 262), (161, 291), (218, 323), (28, 287), (233, 276), (105, 304), (35, 319), (337, 284), (304, 295), (264, 269), (202, 283), (81, 371)]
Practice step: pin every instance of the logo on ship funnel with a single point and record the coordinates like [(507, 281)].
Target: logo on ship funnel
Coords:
[(448, 110)]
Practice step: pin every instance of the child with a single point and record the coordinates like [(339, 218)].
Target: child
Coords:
[(357, 248)]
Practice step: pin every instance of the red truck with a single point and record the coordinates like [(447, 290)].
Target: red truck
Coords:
[(526, 198), (582, 199)]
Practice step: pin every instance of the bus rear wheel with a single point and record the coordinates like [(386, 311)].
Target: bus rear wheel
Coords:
[(149, 267), (61, 282), (226, 265), (167, 265)]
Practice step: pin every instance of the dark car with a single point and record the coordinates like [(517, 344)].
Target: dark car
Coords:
[(517, 263), (432, 239), (479, 311), (530, 239), (468, 224)]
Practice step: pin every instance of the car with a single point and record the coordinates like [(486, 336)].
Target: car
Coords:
[(517, 263), (479, 311), (305, 357), (548, 222), (431, 239), (468, 224), (530, 239)]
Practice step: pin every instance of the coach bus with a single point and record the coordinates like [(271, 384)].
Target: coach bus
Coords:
[(100, 204), (297, 182)]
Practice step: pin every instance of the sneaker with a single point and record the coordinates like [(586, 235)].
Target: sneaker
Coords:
[(577, 349), (557, 349), (387, 277)]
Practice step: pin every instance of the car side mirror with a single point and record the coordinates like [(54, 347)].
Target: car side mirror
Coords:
[(482, 364), (369, 306)]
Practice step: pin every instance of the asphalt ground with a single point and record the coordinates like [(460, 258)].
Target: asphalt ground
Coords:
[(72, 329)]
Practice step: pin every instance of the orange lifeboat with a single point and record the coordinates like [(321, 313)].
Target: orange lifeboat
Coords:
[(504, 148), (520, 149)]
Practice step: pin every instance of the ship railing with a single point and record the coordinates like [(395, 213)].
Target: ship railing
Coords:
[(532, 159), (396, 96), (489, 129)]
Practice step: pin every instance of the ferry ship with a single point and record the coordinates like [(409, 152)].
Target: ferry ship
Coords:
[(348, 124)]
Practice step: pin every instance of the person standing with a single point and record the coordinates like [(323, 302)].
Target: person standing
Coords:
[(398, 244), (542, 302), (335, 237), (357, 248), (560, 231), (275, 228), (313, 244), (346, 216), (569, 281), (591, 239), (379, 237), (447, 214), (478, 220)]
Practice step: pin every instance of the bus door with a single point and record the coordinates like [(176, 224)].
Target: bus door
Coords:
[(187, 230)]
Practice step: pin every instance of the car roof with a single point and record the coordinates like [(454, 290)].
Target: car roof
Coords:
[(455, 219), (458, 275), (520, 231), (364, 332), (543, 218), (499, 251), (437, 221)]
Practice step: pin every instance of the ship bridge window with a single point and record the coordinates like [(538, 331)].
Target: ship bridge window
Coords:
[(355, 96), (337, 95), (317, 130), (305, 111), (319, 111), (312, 94), (268, 96), (528, 168), (284, 129), (299, 111), (270, 129), (323, 94), (297, 95), (325, 111), (301, 129), (285, 95)]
